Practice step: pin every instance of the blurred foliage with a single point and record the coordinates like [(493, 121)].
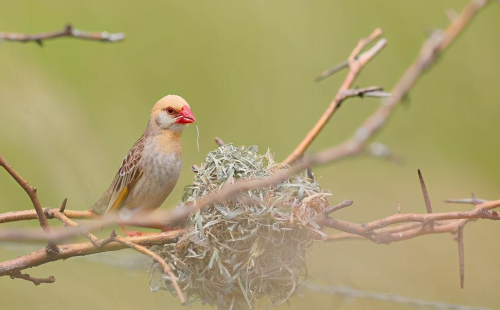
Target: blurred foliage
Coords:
[(71, 110)]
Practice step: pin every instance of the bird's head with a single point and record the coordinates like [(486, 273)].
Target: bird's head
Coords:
[(172, 112)]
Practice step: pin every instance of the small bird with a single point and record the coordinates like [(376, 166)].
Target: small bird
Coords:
[(151, 168)]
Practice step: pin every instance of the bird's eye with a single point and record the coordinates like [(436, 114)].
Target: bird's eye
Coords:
[(170, 110)]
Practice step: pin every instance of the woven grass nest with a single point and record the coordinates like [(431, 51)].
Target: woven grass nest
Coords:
[(235, 252)]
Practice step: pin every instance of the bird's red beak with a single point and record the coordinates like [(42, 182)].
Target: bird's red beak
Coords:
[(186, 116)]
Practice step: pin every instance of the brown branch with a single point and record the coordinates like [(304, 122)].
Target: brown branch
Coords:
[(68, 31), (31, 191), (32, 215), (355, 66), (40, 257), (159, 260), (69, 223), (438, 41), (344, 204), (441, 224), (27, 277)]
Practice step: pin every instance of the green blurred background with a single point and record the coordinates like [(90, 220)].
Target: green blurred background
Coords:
[(71, 110)]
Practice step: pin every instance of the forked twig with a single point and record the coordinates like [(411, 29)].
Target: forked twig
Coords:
[(31, 191), (438, 41), (355, 66), (159, 260), (27, 277), (68, 31)]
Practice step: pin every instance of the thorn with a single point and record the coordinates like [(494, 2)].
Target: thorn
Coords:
[(399, 208), (219, 141), (461, 256), (424, 191), (63, 206), (474, 200), (34, 189), (69, 28), (310, 174), (452, 14)]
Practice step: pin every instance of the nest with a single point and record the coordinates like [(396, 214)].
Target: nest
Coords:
[(254, 245)]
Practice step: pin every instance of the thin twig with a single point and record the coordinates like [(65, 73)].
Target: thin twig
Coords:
[(27, 277), (67, 222), (342, 205), (473, 201), (438, 41), (68, 31), (371, 230), (461, 254), (355, 66), (159, 260), (31, 191)]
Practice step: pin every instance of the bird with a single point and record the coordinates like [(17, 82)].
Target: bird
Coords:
[(151, 168)]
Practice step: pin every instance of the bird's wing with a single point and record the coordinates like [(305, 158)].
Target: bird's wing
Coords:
[(125, 179)]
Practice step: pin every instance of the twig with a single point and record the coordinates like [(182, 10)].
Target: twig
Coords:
[(371, 230), (466, 201), (159, 260), (36, 281), (68, 31), (67, 222), (31, 191), (355, 66), (342, 205), (32, 215), (461, 254), (66, 251), (438, 41)]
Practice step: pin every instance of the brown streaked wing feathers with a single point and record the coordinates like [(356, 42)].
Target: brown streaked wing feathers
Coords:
[(127, 176)]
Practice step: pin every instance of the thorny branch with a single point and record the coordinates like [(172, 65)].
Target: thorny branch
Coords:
[(407, 225), (68, 31), (438, 41)]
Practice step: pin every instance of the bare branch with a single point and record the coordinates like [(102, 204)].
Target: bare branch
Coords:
[(68, 31), (438, 41), (355, 66), (342, 205), (27, 277), (461, 254), (159, 260), (441, 222), (31, 191), (40, 257), (67, 222)]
